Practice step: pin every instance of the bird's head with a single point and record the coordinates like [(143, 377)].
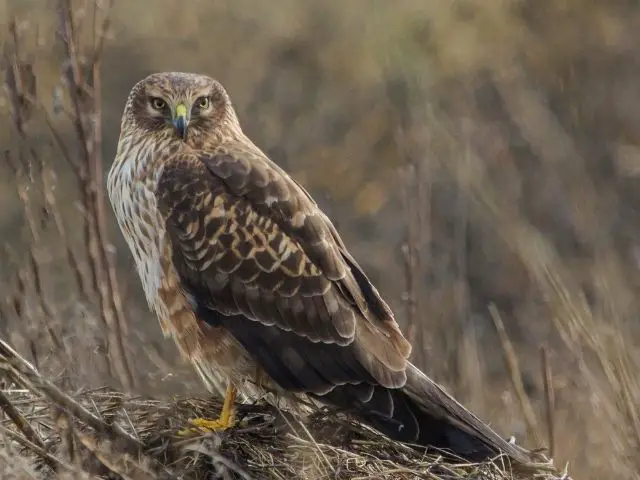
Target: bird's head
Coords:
[(184, 106)]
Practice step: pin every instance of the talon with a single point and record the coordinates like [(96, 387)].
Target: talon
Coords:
[(224, 422), (205, 425)]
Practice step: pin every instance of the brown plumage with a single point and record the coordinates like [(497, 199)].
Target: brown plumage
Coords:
[(251, 278)]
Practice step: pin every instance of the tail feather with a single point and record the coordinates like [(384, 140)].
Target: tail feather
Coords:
[(423, 413), (461, 431)]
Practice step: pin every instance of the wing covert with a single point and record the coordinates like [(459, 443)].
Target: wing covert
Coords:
[(236, 260), (251, 175)]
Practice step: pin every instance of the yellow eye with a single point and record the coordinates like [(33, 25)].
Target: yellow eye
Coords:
[(203, 103), (158, 103)]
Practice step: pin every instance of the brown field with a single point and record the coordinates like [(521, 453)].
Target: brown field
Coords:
[(481, 160)]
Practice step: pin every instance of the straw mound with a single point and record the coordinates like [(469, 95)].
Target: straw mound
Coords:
[(111, 435)]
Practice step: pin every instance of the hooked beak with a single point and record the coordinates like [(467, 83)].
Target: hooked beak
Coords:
[(181, 121)]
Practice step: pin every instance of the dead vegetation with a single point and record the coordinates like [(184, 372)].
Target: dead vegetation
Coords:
[(108, 434), (506, 138)]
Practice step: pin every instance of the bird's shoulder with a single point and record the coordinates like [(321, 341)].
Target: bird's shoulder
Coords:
[(244, 175)]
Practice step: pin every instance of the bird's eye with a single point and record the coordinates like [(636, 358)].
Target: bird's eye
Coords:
[(203, 103), (158, 103)]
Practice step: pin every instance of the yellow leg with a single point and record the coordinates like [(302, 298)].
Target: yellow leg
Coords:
[(224, 421)]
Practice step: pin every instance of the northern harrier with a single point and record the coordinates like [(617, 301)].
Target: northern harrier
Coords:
[(253, 281)]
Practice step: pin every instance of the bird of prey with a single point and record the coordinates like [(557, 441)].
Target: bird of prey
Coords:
[(253, 281)]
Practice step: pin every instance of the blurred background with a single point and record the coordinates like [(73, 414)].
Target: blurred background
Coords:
[(481, 159)]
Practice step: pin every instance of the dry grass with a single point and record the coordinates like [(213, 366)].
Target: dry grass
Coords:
[(487, 155), (112, 435)]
